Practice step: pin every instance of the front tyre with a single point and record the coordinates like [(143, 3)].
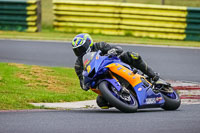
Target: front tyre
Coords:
[(108, 94), (172, 100)]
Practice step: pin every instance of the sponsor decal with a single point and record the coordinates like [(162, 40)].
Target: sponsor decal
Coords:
[(150, 100), (158, 99), (88, 68), (139, 89), (130, 73), (85, 62), (119, 68)]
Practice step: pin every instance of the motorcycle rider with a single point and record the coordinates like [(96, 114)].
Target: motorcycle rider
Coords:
[(83, 43)]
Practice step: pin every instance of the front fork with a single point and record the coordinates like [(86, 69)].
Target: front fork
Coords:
[(112, 81), (116, 87)]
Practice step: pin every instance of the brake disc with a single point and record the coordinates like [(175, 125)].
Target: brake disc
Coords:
[(124, 94)]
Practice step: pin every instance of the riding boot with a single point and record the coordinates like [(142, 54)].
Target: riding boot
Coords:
[(102, 103), (135, 60)]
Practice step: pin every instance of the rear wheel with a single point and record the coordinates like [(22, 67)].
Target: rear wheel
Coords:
[(125, 103)]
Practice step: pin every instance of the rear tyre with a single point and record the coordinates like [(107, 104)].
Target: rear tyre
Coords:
[(114, 101)]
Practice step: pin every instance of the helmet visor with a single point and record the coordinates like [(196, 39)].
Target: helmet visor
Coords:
[(80, 51)]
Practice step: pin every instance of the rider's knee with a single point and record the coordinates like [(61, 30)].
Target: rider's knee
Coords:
[(130, 57), (134, 56)]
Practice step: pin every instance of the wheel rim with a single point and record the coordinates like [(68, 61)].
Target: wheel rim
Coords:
[(130, 100)]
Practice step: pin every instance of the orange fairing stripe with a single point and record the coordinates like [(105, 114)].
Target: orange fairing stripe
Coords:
[(133, 79)]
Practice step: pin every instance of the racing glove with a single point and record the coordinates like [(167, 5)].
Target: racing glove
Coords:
[(83, 86), (155, 77), (112, 52)]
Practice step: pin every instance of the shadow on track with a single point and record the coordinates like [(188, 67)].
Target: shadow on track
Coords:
[(113, 110)]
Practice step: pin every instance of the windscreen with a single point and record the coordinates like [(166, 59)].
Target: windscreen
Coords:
[(87, 58)]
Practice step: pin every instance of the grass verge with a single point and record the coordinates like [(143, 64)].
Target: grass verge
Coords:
[(23, 84), (49, 34)]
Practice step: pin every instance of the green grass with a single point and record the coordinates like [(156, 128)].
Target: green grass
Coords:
[(48, 34), (23, 84)]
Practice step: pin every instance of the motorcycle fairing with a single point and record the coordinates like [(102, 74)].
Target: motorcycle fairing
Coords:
[(146, 96), (125, 73), (91, 65), (115, 83), (144, 92)]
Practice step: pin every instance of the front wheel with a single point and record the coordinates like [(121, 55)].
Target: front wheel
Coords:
[(172, 100), (127, 106)]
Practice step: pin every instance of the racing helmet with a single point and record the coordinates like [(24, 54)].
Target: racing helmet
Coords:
[(81, 44)]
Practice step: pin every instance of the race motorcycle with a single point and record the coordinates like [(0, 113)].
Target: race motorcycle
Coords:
[(125, 88)]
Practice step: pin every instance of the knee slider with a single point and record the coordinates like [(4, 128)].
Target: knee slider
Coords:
[(134, 56), (130, 57)]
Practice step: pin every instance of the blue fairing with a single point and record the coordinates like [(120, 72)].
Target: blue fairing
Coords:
[(146, 96), (115, 83), (98, 63), (95, 65)]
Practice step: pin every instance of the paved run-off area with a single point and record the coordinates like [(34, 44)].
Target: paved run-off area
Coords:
[(189, 93)]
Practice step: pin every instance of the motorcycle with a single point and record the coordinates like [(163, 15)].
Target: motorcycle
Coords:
[(125, 88)]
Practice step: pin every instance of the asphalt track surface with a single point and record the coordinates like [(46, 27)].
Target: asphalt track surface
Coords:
[(171, 63), (184, 120)]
